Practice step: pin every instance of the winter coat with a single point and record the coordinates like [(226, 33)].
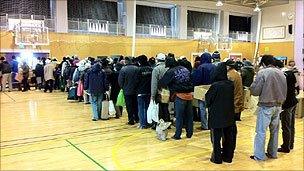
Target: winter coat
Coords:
[(186, 64), (14, 65), (39, 70), (220, 98), (234, 76), (115, 88), (201, 76), (5, 67), (96, 80), (25, 70), (157, 73), (143, 83), (178, 79), (49, 72), (271, 87), (127, 79), (247, 73), (291, 99)]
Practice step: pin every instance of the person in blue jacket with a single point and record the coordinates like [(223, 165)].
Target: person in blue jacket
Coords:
[(97, 86), (201, 76)]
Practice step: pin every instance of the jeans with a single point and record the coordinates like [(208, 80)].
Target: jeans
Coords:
[(266, 117), (204, 121), (49, 85), (288, 128), (143, 104), (183, 111), (132, 108), (7, 78), (228, 137), (96, 102)]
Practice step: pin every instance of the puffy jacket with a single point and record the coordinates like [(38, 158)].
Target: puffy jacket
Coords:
[(234, 76), (96, 80), (127, 79), (201, 76), (220, 98), (271, 87), (5, 67), (178, 79), (39, 70), (143, 84), (14, 65), (157, 73)]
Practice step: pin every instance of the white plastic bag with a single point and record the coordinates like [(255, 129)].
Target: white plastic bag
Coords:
[(162, 130), (152, 113), (112, 110)]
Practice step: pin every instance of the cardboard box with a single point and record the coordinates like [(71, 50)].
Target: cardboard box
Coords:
[(200, 91)]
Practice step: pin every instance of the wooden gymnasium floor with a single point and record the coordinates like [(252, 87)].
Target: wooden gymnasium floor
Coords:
[(43, 131)]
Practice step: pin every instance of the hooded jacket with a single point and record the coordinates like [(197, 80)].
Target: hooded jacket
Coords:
[(178, 79), (96, 80), (220, 99), (5, 67), (39, 70), (201, 76), (143, 83)]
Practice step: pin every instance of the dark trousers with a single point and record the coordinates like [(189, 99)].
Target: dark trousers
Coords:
[(237, 116), (25, 84), (49, 85), (184, 115), (132, 109), (228, 136), (288, 127), (164, 112)]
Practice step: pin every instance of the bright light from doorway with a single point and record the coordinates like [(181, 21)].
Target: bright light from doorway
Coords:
[(219, 3)]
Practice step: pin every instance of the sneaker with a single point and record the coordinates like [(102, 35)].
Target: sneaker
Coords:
[(94, 119), (130, 123), (216, 162), (269, 156)]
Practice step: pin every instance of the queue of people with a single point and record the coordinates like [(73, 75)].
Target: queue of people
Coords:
[(142, 80)]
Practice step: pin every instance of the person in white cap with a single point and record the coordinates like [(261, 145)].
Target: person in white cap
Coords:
[(157, 73)]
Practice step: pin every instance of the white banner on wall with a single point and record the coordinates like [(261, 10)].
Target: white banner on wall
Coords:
[(24, 23)]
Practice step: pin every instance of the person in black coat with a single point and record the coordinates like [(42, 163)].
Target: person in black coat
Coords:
[(115, 88), (288, 110), (127, 79), (39, 73), (220, 103), (143, 87)]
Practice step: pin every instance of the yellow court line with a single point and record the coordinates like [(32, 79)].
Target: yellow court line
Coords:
[(116, 148)]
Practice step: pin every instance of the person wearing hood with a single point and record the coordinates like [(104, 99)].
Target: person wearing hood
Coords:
[(178, 79), (202, 77), (158, 73), (220, 104), (216, 56), (26, 73), (143, 87), (115, 88), (6, 70), (185, 63), (96, 85), (49, 69), (126, 79), (39, 73), (234, 76), (247, 73)]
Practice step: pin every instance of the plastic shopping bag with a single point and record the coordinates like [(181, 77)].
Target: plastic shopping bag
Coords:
[(152, 113), (121, 99), (112, 110), (162, 130)]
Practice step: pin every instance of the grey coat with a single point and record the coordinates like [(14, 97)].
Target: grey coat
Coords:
[(271, 87), (157, 73)]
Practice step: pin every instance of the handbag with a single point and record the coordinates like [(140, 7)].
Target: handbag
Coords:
[(105, 108), (80, 89), (19, 77), (112, 110), (165, 96)]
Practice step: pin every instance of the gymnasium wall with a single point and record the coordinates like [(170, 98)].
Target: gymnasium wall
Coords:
[(278, 49), (96, 45)]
